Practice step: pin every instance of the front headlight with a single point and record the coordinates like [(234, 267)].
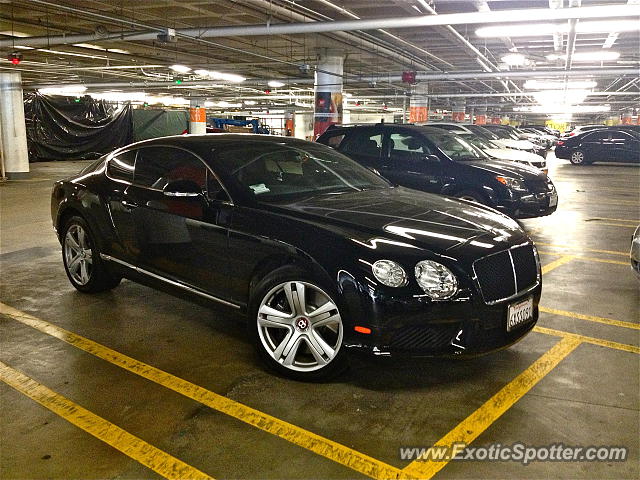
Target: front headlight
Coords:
[(512, 183), (436, 280), (389, 273)]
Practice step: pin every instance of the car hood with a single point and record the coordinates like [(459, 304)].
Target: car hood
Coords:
[(512, 154), (508, 168), (517, 144), (400, 217)]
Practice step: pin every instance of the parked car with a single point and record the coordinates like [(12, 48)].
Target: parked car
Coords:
[(601, 145), (635, 252), (323, 255), (508, 137), (546, 139), (580, 129), (502, 137), (438, 161), (498, 152), (495, 150)]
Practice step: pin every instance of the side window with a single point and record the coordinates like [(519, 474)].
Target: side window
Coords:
[(157, 166), (597, 136), (334, 141), (406, 146), (121, 166), (363, 143)]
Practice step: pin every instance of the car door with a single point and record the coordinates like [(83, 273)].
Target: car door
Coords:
[(119, 170), (180, 237), (364, 146), (596, 145), (410, 161), (625, 146)]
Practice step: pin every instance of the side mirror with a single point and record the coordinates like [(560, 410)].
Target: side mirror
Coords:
[(182, 189)]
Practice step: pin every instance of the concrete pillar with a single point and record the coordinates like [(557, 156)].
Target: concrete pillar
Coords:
[(328, 91), (419, 104), (289, 122), (626, 118), (481, 116), (197, 116), (15, 156), (458, 111)]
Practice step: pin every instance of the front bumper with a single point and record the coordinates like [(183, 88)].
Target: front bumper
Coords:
[(463, 328), (529, 205)]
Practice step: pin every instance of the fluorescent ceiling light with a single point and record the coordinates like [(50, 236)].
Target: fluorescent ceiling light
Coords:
[(549, 85), (514, 59), (227, 77), (98, 47), (544, 29), (595, 56), (611, 39), (275, 84), (560, 97), (180, 68), (250, 102), (11, 33), (72, 90)]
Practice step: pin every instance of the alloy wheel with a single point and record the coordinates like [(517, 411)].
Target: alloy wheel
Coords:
[(78, 255), (577, 157), (299, 326)]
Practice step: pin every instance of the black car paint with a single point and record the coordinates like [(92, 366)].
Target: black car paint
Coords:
[(449, 177), (603, 145), (236, 241)]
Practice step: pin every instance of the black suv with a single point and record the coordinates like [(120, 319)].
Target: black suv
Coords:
[(433, 160)]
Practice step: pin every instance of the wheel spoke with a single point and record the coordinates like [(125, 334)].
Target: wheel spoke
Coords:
[(82, 241), (327, 307), (319, 345), (74, 263), (299, 299), (71, 242), (88, 257), (275, 322), (316, 351), (289, 294), (272, 312), (291, 352), (325, 320), (84, 272)]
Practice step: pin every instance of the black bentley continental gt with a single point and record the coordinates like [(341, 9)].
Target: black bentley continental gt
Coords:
[(323, 255)]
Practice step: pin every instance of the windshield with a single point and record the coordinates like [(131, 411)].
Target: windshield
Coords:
[(481, 142), (502, 134), (485, 132), (273, 172), (456, 147)]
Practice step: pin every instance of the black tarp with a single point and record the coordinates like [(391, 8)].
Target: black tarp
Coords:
[(154, 123), (68, 128)]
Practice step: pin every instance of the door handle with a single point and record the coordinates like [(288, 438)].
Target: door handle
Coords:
[(129, 205)]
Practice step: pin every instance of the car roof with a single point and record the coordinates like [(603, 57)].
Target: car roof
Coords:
[(409, 126)]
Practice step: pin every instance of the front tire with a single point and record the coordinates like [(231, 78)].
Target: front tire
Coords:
[(297, 326), (85, 269)]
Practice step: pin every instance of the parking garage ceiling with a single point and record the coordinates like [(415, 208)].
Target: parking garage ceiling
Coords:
[(115, 45)]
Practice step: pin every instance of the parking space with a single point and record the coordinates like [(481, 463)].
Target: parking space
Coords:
[(184, 379)]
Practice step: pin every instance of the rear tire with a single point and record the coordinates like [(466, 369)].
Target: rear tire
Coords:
[(296, 325), (579, 158), (85, 269)]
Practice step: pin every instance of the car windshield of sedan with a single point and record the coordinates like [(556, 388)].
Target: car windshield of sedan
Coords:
[(456, 147), (503, 134), (480, 142), (274, 172)]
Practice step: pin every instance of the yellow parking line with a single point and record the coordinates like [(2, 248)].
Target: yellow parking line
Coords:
[(114, 436), (581, 257), (615, 224), (637, 222), (593, 340), (322, 446), (591, 318), (556, 263), (476, 423), (581, 248)]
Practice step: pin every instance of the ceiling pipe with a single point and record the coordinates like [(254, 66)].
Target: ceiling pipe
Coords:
[(513, 16), (591, 72)]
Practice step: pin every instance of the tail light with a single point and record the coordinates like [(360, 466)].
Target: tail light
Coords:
[(572, 134), (560, 142)]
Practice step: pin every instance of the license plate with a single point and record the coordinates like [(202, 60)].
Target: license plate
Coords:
[(519, 313), (553, 200)]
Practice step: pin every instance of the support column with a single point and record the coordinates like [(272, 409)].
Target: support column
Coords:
[(328, 91), (458, 111), (15, 156), (481, 116), (197, 116), (419, 104), (289, 122), (626, 118)]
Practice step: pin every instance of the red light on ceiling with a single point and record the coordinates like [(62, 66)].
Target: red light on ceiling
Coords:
[(14, 58), (267, 91)]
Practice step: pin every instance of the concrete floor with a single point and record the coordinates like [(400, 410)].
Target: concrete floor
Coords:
[(589, 398)]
